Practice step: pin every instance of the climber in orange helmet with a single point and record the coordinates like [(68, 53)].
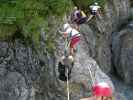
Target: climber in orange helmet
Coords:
[(101, 91)]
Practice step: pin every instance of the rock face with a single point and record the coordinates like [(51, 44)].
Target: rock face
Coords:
[(98, 33), (16, 69), (81, 73), (27, 75), (22, 71), (122, 49)]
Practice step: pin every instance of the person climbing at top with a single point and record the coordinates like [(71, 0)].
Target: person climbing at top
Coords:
[(78, 17), (74, 37), (94, 11), (64, 63), (101, 91)]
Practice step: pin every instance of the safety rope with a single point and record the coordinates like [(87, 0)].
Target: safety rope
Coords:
[(68, 91), (67, 45), (92, 78), (68, 41)]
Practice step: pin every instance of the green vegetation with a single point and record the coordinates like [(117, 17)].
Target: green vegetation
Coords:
[(131, 3), (27, 17), (100, 2)]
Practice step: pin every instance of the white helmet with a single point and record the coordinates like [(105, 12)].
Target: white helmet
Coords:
[(96, 3), (66, 26)]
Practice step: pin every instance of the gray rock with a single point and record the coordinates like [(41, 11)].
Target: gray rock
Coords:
[(123, 54), (131, 13), (81, 73), (98, 33), (13, 87), (25, 75), (19, 69), (130, 25), (3, 49), (3, 70)]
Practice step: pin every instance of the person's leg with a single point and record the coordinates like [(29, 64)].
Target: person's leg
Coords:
[(77, 26), (74, 48), (99, 15), (89, 98), (90, 17), (71, 51), (74, 41), (85, 84), (71, 47), (99, 98), (107, 98)]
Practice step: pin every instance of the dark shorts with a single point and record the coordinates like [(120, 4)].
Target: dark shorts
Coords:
[(81, 20), (94, 12)]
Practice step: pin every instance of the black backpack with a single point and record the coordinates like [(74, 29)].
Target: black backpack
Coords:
[(62, 70)]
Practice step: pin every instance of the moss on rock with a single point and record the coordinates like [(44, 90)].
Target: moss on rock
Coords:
[(6, 31)]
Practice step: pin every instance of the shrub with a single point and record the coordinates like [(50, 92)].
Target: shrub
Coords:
[(29, 16)]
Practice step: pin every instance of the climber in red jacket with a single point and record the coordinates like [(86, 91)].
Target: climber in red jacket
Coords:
[(101, 91)]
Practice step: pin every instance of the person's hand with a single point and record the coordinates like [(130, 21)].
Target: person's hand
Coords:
[(65, 35)]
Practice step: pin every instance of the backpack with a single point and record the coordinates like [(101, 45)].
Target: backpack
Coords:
[(63, 68)]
